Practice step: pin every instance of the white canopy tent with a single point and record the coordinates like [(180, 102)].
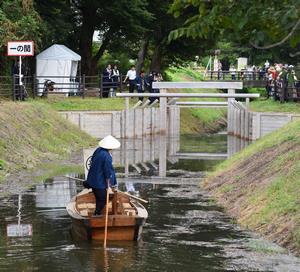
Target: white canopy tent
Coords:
[(59, 64)]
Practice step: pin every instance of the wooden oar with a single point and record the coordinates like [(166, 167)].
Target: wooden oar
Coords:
[(78, 179), (129, 195), (106, 217), (132, 196)]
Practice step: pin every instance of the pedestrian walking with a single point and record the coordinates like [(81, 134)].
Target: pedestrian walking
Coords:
[(141, 83), (131, 76)]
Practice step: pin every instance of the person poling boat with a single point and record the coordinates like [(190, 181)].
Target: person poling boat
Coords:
[(102, 174), (124, 215)]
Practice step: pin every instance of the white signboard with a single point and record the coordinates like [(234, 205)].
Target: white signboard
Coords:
[(20, 48), (242, 63), (19, 230)]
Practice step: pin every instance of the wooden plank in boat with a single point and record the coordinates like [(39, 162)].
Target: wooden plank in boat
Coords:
[(114, 220), (115, 233)]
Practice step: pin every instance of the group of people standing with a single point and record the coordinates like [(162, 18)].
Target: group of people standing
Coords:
[(283, 76), (141, 81), (110, 79)]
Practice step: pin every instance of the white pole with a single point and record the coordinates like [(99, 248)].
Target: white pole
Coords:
[(208, 65), (20, 70)]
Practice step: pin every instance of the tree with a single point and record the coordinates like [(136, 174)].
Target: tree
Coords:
[(115, 19), (19, 21), (57, 21), (259, 24), (155, 45)]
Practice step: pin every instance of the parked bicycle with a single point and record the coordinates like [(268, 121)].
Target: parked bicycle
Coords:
[(48, 87)]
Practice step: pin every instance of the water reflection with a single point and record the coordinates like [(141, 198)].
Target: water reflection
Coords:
[(54, 193), (185, 231), (159, 155), (19, 230)]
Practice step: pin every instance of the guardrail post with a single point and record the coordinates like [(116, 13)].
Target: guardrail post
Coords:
[(162, 140), (126, 127), (162, 156), (101, 86), (83, 86), (121, 83), (14, 88), (33, 86), (163, 113), (230, 113)]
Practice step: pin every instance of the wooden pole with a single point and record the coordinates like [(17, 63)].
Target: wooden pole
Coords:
[(106, 217), (132, 196)]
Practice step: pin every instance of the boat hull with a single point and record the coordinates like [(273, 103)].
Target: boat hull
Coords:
[(125, 226), (85, 230)]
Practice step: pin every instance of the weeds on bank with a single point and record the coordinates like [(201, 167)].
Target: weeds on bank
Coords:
[(55, 169), (88, 103), (269, 203), (33, 133), (269, 105)]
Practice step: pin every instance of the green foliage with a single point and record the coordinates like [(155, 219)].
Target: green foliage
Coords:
[(178, 73), (77, 103), (261, 91), (18, 22), (244, 22), (121, 58), (51, 170), (1, 164), (264, 246), (274, 106), (58, 23)]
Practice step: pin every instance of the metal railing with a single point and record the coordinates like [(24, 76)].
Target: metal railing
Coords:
[(6, 86), (58, 85), (236, 75)]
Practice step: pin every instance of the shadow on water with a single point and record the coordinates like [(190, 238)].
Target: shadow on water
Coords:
[(185, 231)]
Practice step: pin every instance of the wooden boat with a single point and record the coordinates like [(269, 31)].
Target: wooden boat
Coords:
[(126, 217)]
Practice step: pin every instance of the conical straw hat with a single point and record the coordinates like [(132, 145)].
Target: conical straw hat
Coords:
[(109, 142)]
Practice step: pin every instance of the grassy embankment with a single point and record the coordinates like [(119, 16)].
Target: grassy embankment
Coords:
[(32, 133), (260, 186), (89, 103), (263, 104), (192, 120), (196, 119)]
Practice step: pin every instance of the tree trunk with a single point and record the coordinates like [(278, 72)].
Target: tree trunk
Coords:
[(142, 55), (156, 59), (86, 39), (101, 50)]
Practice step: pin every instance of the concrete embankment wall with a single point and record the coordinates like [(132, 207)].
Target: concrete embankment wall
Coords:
[(141, 122), (267, 122), (254, 125)]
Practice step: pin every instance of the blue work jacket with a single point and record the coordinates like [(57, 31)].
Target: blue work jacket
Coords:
[(141, 83), (101, 170)]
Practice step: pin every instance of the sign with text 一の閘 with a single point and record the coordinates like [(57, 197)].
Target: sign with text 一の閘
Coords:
[(20, 48)]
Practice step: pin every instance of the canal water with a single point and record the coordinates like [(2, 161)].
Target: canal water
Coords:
[(185, 231)]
